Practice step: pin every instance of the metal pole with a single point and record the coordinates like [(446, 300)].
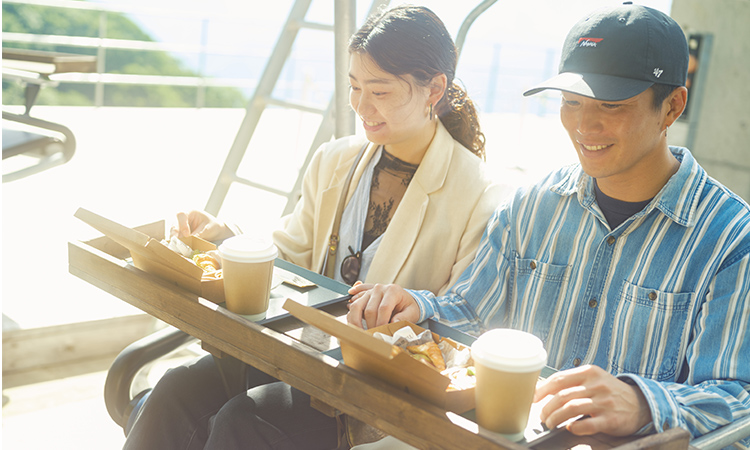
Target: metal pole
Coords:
[(256, 105), (725, 436), (200, 92), (343, 27), (476, 12), (101, 60)]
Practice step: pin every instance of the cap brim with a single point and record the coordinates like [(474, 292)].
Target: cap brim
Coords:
[(594, 85)]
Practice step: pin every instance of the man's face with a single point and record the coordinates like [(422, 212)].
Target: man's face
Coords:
[(618, 143)]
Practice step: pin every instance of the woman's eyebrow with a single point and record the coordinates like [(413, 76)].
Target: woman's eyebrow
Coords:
[(371, 80)]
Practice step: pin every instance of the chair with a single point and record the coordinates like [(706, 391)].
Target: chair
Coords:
[(120, 403), (52, 144)]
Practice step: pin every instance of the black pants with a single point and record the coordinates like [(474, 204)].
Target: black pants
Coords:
[(190, 409)]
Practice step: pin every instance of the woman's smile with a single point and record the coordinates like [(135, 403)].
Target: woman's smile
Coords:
[(372, 126)]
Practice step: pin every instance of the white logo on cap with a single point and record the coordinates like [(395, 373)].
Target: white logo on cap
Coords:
[(589, 42), (658, 72)]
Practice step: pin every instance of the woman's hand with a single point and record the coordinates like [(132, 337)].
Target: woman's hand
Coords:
[(201, 224), (613, 407), (379, 304)]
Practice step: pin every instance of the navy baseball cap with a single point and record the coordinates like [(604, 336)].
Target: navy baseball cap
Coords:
[(616, 53)]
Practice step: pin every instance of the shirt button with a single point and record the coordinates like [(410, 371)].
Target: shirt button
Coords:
[(665, 426), (652, 295), (577, 362), (592, 303), (532, 265), (611, 240)]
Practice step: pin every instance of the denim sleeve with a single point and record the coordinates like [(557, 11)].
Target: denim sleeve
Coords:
[(717, 389), (476, 299)]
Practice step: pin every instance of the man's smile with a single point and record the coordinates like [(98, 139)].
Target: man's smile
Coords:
[(594, 148)]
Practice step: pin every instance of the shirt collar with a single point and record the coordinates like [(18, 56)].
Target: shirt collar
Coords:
[(678, 199)]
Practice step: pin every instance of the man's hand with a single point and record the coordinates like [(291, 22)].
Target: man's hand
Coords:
[(380, 304), (613, 407), (201, 224)]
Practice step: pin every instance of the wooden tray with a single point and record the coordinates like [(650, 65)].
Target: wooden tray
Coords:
[(294, 358)]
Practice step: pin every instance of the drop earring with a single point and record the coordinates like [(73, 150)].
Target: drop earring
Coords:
[(431, 113)]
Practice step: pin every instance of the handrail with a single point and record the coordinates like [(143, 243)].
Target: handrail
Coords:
[(724, 436), (122, 7), (102, 43)]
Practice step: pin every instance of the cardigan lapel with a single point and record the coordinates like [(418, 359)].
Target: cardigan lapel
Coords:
[(406, 223)]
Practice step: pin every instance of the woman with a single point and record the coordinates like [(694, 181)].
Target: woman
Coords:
[(416, 206)]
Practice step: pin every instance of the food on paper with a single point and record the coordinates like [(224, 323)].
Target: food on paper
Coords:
[(461, 378), (215, 275), (209, 261), (454, 363), (428, 353), (178, 246), (206, 261)]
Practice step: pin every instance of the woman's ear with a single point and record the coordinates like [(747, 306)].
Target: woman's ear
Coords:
[(675, 105), (438, 85)]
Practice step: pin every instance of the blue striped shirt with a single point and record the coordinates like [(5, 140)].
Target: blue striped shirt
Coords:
[(662, 301)]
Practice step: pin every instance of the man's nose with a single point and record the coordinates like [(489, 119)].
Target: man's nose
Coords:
[(588, 121)]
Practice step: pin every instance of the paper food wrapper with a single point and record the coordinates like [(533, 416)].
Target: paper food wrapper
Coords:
[(373, 356), (153, 256)]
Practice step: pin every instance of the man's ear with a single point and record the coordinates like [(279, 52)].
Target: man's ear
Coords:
[(438, 85), (675, 105)]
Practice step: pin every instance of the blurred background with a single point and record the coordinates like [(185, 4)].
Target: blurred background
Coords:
[(161, 103)]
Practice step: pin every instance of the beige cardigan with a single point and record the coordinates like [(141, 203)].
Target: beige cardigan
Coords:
[(432, 237)]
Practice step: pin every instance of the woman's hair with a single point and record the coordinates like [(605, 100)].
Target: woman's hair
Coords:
[(413, 40)]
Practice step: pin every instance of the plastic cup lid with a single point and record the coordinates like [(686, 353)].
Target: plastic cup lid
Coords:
[(249, 249), (509, 350)]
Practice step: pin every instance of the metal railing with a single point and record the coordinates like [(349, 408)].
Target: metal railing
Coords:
[(494, 86), (101, 43)]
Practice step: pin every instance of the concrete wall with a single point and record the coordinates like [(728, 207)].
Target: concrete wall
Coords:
[(720, 130)]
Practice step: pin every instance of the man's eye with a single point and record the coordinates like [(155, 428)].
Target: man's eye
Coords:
[(354, 88), (378, 94), (570, 102), (611, 105)]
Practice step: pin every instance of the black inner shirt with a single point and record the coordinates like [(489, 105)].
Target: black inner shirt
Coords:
[(390, 179), (616, 211)]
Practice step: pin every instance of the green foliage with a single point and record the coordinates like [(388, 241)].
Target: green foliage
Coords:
[(223, 97), (37, 19)]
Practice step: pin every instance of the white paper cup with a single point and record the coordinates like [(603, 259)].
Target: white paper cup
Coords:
[(247, 265), (508, 363)]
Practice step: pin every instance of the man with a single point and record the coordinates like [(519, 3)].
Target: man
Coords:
[(633, 267)]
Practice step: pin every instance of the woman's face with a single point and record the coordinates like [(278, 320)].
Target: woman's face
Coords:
[(394, 110)]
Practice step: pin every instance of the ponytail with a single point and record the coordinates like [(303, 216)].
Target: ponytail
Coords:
[(458, 114)]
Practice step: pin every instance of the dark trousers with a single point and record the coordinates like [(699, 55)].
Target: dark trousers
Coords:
[(191, 408)]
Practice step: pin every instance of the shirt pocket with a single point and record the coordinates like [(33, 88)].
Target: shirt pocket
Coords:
[(538, 287), (649, 332)]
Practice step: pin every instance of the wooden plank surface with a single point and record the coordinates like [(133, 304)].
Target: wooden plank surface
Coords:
[(47, 62), (322, 377), (368, 399), (26, 350)]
